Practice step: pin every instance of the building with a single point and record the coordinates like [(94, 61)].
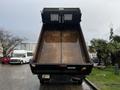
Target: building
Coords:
[(1, 50), (93, 55), (30, 46)]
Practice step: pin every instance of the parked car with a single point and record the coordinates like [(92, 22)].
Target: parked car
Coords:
[(5, 60), (0, 59), (21, 56)]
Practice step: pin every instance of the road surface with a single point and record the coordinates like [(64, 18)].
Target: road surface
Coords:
[(19, 77)]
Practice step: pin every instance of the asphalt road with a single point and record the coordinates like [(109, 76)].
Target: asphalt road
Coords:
[(19, 77)]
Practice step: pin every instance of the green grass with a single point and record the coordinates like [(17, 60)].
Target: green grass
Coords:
[(105, 79)]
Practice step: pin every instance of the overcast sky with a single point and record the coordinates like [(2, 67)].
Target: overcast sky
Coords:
[(22, 17)]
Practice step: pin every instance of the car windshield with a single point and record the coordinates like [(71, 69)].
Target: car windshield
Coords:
[(18, 55), (29, 54)]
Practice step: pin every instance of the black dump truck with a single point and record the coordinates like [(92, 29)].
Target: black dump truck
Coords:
[(61, 54)]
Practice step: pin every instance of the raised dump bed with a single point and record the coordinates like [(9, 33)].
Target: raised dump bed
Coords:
[(61, 47), (61, 52)]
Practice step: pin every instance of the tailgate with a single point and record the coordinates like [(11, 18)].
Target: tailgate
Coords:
[(61, 69)]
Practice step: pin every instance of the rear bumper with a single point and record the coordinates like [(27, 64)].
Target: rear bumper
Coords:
[(61, 69), (15, 62), (6, 62)]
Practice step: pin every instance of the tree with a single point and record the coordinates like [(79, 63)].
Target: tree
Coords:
[(7, 40), (116, 38), (106, 49), (91, 49), (111, 33), (114, 48), (100, 47)]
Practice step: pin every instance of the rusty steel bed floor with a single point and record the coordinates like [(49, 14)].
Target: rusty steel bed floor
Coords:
[(60, 47)]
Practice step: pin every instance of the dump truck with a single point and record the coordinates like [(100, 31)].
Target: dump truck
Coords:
[(61, 54)]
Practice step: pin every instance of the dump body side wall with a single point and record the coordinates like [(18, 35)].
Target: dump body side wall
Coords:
[(51, 35), (39, 68)]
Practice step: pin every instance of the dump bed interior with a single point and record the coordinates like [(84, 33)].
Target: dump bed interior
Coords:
[(61, 45)]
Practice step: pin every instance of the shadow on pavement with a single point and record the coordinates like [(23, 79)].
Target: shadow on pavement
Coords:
[(60, 87)]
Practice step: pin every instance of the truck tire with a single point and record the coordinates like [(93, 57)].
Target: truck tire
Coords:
[(76, 81), (80, 82), (42, 81), (21, 62)]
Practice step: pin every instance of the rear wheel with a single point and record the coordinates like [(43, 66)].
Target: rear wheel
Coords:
[(21, 62), (43, 81), (80, 81), (77, 80)]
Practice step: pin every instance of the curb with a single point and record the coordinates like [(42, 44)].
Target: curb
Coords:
[(91, 84)]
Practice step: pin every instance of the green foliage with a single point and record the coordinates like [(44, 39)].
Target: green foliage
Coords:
[(105, 79), (91, 49), (100, 47), (116, 38), (114, 44), (114, 47), (104, 48)]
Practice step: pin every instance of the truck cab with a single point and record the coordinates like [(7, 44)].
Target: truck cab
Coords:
[(20, 56)]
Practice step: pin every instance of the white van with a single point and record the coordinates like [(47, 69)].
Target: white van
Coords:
[(21, 56)]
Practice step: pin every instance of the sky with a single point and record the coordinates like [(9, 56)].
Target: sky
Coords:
[(23, 18)]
